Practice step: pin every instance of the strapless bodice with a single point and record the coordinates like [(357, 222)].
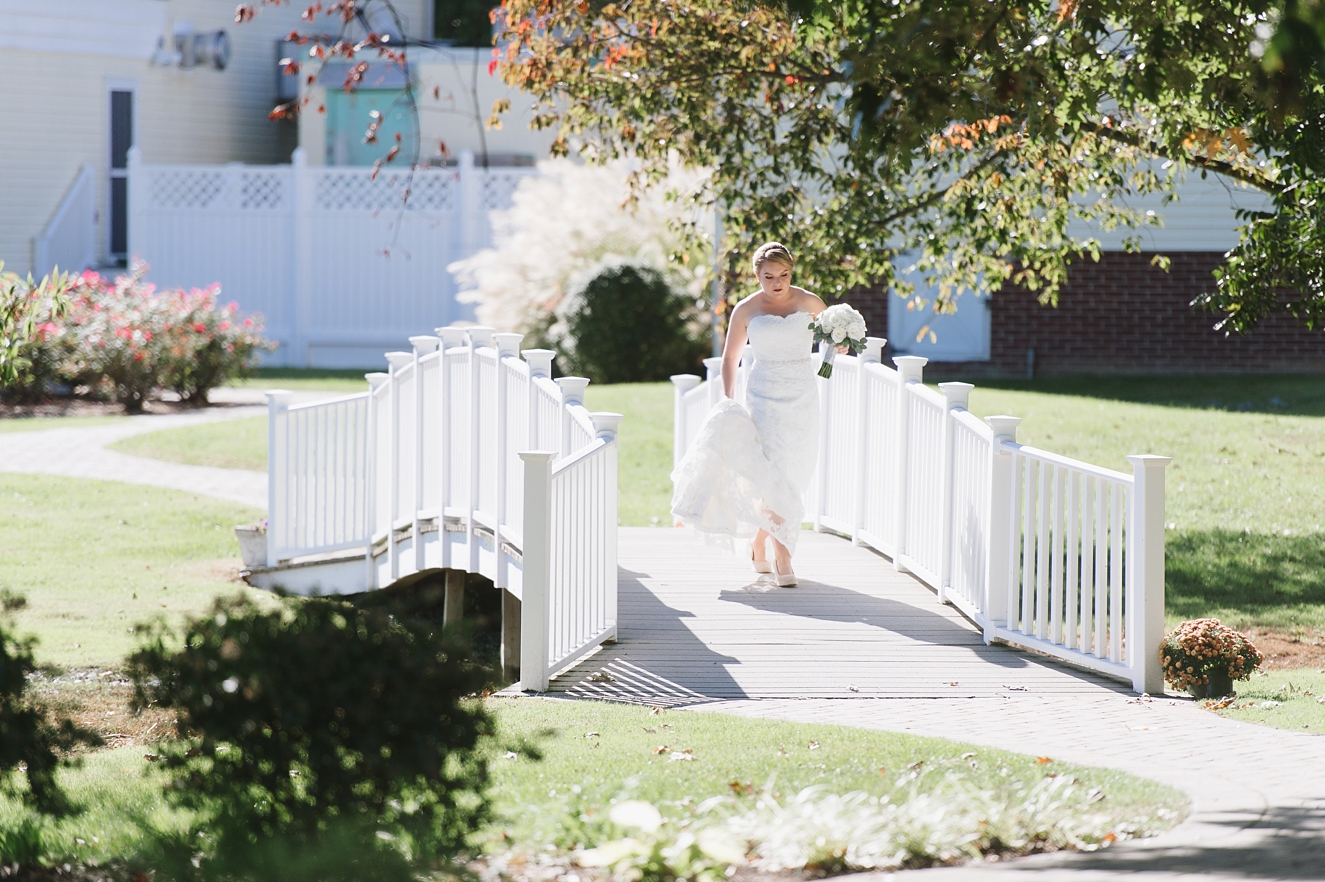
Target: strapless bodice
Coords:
[(781, 338)]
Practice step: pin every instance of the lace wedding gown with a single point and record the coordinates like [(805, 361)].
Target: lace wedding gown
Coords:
[(750, 463)]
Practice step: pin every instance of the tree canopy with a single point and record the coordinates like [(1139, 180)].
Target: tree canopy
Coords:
[(971, 135)]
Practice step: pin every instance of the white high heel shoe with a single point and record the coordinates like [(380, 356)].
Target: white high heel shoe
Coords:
[(784, 580), (761, 566)]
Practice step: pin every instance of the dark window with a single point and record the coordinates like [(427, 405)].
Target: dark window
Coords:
[(463, 22), (121, 139), (121, 128), (119, 216)]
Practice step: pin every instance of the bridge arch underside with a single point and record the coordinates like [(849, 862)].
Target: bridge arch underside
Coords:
[(697, 624)]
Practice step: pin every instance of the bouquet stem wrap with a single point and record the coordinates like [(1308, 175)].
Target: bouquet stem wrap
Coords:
[(838, 325)]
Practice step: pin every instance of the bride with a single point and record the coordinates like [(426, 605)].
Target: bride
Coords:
[(748, 467)]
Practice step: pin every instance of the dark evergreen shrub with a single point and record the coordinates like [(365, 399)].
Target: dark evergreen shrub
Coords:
[(319, 725), (625, 322)]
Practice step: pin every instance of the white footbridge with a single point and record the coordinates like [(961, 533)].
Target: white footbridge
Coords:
[(466, 457)]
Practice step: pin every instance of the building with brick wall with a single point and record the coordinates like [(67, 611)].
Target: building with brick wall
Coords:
[(1120, 315)]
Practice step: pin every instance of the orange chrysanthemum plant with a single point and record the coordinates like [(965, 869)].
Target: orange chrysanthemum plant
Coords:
[(1195, 650)]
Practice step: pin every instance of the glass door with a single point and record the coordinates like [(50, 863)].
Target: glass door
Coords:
[(121, 139)]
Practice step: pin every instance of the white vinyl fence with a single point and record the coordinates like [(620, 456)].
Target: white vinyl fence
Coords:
[(1038, 550), (69, 240), (463, 455), (340, 265)]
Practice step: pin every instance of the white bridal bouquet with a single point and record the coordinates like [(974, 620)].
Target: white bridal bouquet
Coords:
[(838, 325)]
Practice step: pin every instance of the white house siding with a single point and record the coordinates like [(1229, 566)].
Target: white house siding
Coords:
[(57, 58)]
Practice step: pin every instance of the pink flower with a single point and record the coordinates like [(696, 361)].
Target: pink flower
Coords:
[(199, 327), (248, 322)]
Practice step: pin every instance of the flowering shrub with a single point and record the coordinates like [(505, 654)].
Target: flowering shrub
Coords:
[(125, 340), (27, 312), (1195, 649)]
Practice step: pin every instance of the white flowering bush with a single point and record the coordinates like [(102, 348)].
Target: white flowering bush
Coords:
[(566, 220)]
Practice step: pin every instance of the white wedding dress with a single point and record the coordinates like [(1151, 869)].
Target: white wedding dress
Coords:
[(750, 463)]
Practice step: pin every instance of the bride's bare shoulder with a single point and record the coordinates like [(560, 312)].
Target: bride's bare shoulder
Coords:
[(811, 302), (747, 307)]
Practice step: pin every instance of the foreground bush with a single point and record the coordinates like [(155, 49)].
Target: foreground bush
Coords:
[(625, 322), (29, 739), (319, 723), (26, 308)]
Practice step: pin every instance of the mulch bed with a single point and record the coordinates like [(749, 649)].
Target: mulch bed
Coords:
[(1287, 650)]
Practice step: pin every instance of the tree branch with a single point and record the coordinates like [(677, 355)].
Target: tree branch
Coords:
[(1218, 166)]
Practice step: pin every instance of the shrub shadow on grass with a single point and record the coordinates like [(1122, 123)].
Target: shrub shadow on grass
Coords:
[(1296, 394), (1246, 579)]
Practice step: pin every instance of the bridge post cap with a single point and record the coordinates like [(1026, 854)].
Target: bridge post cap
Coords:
[(536, 455), (480, 335), (1003, 426), (911, 367), (1148, 461), (956, 394), (279, 396), (398, 360), (376, 378), (508, 344), (539, 361), (605, 424), (686, 382), (873, 352), (425, 343), (452, 335), (572, 389)]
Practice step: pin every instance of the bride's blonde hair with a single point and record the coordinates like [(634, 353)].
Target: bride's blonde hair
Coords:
[(774, 251)]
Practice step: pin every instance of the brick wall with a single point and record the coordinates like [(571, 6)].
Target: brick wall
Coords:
[(1123, 315)]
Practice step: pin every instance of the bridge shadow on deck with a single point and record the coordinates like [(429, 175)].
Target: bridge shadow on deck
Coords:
[(853, 628)]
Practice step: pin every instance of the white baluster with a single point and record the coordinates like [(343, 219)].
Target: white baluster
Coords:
[(423, 345), (479, 337), (1145, 576), (508, 346), (372, 457), (955, 398), (910, 370), (279, 518), (998, 577), (681, 384), (821, 467), (451, 339), (397, 361), (536, 571), (873, 354)]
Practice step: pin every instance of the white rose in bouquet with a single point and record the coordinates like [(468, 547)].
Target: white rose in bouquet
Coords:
[(838, 325)]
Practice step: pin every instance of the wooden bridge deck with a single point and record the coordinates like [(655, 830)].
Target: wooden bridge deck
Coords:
[(697, 624)]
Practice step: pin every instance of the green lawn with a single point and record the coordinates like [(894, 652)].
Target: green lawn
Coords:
[(1283, 699), (95, 558), (226, 444), (595, 753), (307, 379)]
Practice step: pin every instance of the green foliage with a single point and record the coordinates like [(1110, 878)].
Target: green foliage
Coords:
[(29, 739), (1284, 699), (26, 310), (980, 137), (319, 722), (463, 22), (624, 322)]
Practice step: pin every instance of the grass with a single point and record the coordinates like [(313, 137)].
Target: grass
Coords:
[(594, 753), (1283, 699), (226, 444), (645, 460), (307, 379), (95, 558)]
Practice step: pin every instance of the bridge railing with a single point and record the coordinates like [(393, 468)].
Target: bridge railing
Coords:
[(1037, 549), (429, 470)]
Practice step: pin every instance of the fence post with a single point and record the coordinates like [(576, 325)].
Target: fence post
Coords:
[(572, 392), (478, 337), (423, 345), (955, 397), (397, 361), (278, 466), (713, 374), (371, 455), (136, 193), (910, 369), (536, 570), (820, 481), (451, 338), (681, 384), (1145, 577), (470, 197), (605, 426), (873, 354), (540, 367), (508, 346), (998, 541), (301, 214)]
